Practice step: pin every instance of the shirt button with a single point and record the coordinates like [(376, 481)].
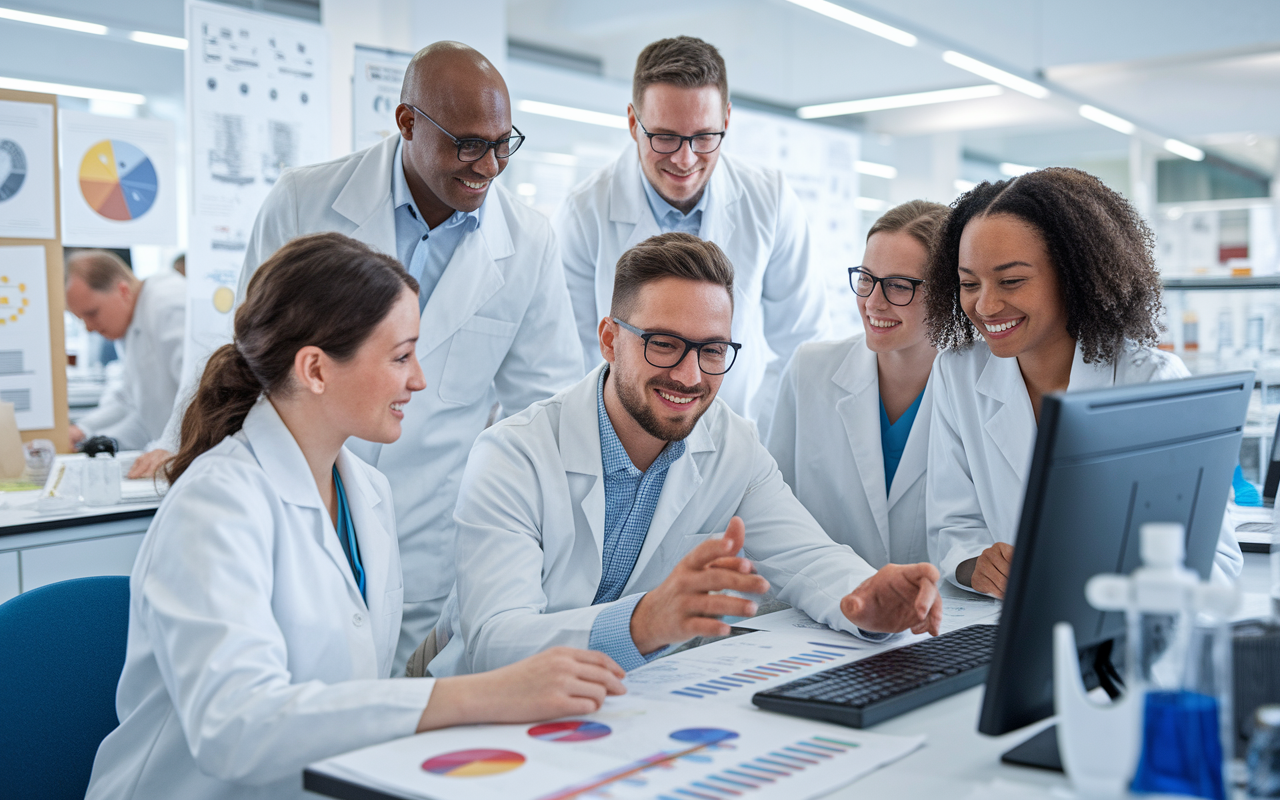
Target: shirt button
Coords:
[(424, 237), (357, 620)]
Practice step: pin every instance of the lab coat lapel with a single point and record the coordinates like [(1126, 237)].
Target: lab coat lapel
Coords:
[(718, 219), (915, 457), (374, 540), (580, 453), (859, 410), (366, 198), (628, 204), (470, 279), (1010, 413), (682, 482), (1085, 377)]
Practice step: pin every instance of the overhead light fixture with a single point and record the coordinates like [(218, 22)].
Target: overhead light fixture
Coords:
[(1183, 149), (159, 40), (571, 113), (1011, 170), (842, 14), (52, 22), (898, 101), (1095, 114), (868, 204), (962, 185), (20, 85), (876, 170), (1030, 88)]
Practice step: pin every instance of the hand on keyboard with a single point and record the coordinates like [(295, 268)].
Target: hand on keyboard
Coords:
[(898, 597)]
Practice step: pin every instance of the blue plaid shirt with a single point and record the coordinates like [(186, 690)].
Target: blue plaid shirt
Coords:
[(630, 498)]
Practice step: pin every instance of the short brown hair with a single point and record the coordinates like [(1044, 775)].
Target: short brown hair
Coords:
[(684, 61), (99, 269), (919, 219), (669, 255)]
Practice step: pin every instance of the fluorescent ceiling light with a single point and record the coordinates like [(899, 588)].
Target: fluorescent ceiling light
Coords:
[(570, 113), (53, 22), (994, 74), (1014, 170), (868, 204), (20, 85), (159, 40), (877, 170), (1183, 149), (963, 185), (1095, 114), (842, 14), (897, 101)]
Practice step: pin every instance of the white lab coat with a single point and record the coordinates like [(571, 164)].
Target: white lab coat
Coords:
[(825, 437), (251, 653), (134, 409), (531, 530), (982, 438), (497, 327), (754, 216)]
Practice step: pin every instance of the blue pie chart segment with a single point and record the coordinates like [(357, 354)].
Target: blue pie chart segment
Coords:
[(703, 735), (137, 178)]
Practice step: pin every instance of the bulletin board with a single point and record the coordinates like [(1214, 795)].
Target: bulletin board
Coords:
[(56, 298)]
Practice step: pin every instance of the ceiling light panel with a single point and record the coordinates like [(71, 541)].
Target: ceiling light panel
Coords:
[(876, 170), (991, 73), (860, 21), (158, 39), (52, 22), (1183, 149), (898, 101), (66, 90), (574, 114), (1095, 114)]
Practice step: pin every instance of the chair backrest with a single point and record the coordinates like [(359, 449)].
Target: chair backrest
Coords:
[(62, 649)]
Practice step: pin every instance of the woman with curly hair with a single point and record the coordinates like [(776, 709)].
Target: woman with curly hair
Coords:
[(1044, 283)]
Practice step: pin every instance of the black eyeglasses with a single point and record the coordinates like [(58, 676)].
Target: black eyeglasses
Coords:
[(897, 290), (666, 350), (475, 149), (668, 143)]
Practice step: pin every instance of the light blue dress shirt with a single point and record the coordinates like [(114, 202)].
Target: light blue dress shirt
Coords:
[(424, 252), (670, 219), (630, 498)]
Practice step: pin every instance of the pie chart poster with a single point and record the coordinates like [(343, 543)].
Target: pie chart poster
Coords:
[(118, 181)]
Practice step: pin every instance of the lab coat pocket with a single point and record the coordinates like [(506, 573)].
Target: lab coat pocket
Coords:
[(475, 353)]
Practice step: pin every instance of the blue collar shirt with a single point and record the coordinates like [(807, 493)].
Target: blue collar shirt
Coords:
[(671, 219), (425, 252)]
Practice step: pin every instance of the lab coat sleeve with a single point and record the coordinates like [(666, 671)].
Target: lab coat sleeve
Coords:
[(277, 223), (806, 568), (579, 258), (1228, 561), (782, 431), (956, 528), (204, 594), (113, 406), (502, 606), (171, 345), (544, 356), (793, 299)]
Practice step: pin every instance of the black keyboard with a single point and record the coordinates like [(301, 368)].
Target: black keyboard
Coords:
[(863, 693)]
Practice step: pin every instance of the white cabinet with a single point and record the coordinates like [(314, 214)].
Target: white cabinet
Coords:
[(9, 585), (111, 555)]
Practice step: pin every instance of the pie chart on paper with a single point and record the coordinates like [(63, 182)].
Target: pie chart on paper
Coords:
[(118, 180)]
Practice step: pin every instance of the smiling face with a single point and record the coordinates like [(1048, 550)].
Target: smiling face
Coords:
[(890, 327), (679, 177), (108, 313), (1009, 287), (667, 403), (366, 394)]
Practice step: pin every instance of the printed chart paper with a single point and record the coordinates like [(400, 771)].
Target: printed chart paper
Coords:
[(25, 376), (26, 171), (629, 750), (375, 94), (257, 104), (119, 181)]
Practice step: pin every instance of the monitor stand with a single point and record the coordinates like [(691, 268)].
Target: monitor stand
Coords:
[(1040, 751)]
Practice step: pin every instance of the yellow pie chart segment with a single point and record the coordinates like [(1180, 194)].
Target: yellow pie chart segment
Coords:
[(223, 299)]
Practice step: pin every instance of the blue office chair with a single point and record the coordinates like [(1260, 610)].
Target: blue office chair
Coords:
[(61, 652)]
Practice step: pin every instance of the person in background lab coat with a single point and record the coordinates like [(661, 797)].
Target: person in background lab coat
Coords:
[(146, 320), (866, 488), (1043, 283), (265, 600), (593, 518), (496, 320), (675, 179)]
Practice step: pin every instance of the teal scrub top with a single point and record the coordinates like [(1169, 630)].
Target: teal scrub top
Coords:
[(893, 438), (347, 533)]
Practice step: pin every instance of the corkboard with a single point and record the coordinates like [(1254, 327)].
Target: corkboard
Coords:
[(57, 298)]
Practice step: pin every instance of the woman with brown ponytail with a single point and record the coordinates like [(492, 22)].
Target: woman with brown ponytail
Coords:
[(266, 597)]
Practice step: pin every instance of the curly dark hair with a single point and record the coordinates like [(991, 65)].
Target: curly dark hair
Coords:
[(1099, 245)]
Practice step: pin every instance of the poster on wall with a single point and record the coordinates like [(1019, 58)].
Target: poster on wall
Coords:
[(25, 360), (257, 104), (820, 163), (26, 171), (119, 181), (375, 93)]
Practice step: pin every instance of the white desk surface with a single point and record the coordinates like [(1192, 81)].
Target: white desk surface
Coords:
[(18, 513)]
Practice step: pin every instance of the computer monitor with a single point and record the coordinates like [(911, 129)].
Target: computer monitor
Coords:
[(1105, 462), (1271, 481)]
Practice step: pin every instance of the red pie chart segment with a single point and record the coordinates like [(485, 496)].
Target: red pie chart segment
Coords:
[(573, 730), (118, 180), (473, 763)]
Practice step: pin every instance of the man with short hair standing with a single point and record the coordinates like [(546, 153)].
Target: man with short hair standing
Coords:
[(146, 319), (592, 519), (675, 178)]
